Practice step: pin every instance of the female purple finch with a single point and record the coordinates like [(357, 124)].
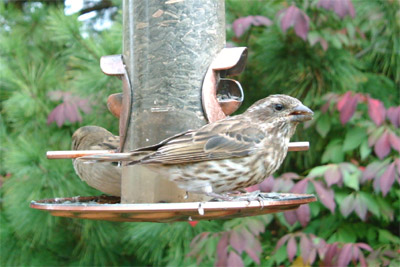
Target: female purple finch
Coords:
[(227, 155), (105, 177)]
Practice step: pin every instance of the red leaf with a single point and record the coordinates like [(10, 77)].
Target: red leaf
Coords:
[(326, 106), (71, 112), (261, 21), (363, 263), (360, 207), (267, 185), (355, 253), (347, 106), (332, 175), (68, 110), (305, 248), (376, 184), (290, 175), (340, 7), (290, 216), (249, 237), (364, 246), (222, 250), (282, 185), (282, 241), (253, 255), (394, 141), (291, 248), (321, 246), (253, 188), (325, 195), (256, 227), (382, 146), (302, 26), (376, 111), (372, 169), (345, 255), (343, 100), (57, 115), (234, 260), (312, 256), (84, 105), (331, 252), (303, 215), (293, 16), (257, 246), (373, 138), (241, 25), (347, 205), (387, 179), (300, 187), (289, 17), (393, 114)]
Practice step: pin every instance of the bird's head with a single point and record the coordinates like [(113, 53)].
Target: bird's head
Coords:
[(281, 108), (88, 136)]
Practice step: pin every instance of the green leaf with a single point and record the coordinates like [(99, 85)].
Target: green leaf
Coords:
[(318, 171), (354, 138), (280, 255), (387, 237), (323, 125), (385, 209), (371, 234), (372, 205), (335, 41), (351, 180), (365, 150), (343, 38), (350, 29), (313, 36), (340, 196), (346, 234), (333, 152)]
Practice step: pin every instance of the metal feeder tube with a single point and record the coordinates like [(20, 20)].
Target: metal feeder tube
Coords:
[(168, 47)]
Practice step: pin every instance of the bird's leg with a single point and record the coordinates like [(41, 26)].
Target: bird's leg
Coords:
[(208, 190), (249, 196), (216, 196)]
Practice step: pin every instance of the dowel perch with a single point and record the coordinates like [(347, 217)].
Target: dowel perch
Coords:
[(71, 154)]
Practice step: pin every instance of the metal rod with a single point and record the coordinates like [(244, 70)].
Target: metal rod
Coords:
[(72, 154)]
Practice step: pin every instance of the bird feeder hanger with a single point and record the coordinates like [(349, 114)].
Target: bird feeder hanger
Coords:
[(220, 96)]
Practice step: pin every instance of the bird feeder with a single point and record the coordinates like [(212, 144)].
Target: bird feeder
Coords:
[(176, 75)]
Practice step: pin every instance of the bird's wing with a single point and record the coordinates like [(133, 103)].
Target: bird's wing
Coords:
[(220, 140)]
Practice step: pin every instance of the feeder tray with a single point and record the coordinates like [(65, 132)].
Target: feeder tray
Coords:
[(108, 208)]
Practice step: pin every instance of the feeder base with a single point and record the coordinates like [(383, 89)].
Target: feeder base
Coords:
[(109, 208)]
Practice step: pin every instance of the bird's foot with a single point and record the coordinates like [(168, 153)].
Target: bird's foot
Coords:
[(238, 196), (219, 197), (248, 196)]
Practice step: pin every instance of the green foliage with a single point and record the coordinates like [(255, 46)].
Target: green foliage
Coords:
[(43, 51)]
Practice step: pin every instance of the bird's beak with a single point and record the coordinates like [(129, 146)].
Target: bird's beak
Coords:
[(301, 113)]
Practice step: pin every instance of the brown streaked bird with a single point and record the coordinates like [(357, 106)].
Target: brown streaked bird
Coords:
[(228, 155), (105, 177)]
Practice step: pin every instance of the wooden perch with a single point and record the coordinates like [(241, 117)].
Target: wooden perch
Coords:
[(73, 154)]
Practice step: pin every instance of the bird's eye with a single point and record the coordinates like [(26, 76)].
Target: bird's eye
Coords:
[(278, 107)]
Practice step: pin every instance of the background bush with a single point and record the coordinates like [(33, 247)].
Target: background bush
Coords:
[(341, 58)]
